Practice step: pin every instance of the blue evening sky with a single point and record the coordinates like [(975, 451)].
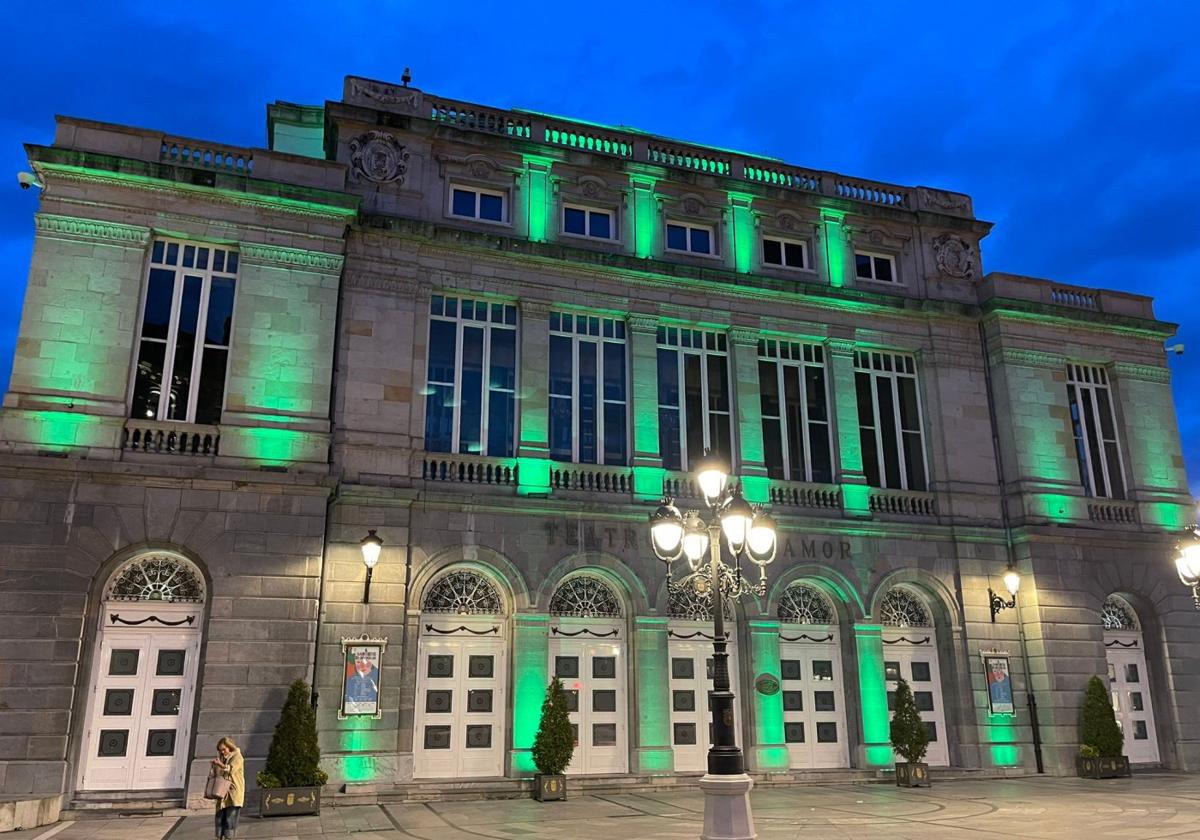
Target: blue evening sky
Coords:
[(1074, 126)]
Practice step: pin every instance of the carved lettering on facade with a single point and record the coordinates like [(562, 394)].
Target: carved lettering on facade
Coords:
[(593, 537)]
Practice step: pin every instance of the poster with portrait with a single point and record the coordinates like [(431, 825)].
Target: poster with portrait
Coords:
[(362, 659), (999, 684)]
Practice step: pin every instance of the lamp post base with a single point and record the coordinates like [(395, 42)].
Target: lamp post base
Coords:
[(727, 808)]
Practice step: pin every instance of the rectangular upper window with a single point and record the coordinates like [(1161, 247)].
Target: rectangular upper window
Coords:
[(470, 404), (476, 203), (692, 239), (889, 420), (187, 321), (586, 221), (872, 266), (784, 253), (1097, 450), (795, 411), (588, 389), (693, 396)]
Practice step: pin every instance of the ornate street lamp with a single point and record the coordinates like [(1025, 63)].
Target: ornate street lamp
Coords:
[(370, 545), (1012, 582), (696, 537), (1188, 561)]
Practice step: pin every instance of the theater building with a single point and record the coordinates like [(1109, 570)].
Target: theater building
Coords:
[(497, 338)]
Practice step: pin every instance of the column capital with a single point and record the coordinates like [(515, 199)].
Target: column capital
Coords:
[(744, 335), (641, 322), (538, 309), (840, 346)]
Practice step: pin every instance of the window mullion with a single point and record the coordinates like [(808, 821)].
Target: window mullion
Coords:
[(1100, 457), (576, 411), (873, 377), (198, 350), (681, 379), (803, 432), (894, 380), (485, 384), (457, 389), (781, 385), (164, 388)]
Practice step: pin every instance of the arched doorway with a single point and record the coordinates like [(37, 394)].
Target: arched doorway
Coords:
[(690, 643), (461, 679), (1128, 679), (814, 702), (143, 687), (588, 653), (910, 651)]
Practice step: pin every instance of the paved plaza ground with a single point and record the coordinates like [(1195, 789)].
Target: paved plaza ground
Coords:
[(1149, 806)]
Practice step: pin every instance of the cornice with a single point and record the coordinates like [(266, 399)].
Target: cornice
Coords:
[(210, 195), (840, 346), (1028, 358), (48, 224), (744, 335), (640, 322), (315, 261), (1146, 373)]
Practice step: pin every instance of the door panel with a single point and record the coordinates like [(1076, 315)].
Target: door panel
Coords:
[(814, 704), (460, 708), (691, 680), (918, 664), (1129, 685), (593, 675)]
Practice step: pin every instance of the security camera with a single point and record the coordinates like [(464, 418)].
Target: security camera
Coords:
[(1177, 349), (28, 179)]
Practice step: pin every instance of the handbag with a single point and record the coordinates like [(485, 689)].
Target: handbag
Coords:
[(216, 787)]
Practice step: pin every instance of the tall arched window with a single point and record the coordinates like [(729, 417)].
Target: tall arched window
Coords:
[(689, 605), (902, 608), (157, 577)]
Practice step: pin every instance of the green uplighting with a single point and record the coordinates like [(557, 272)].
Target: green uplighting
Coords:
[(359, 768), (534, 476), (537, 192), (1002, 735), (645, 217), (835, 246), (876, 722), (653, 715), (856, 499), (756, 488), (768, 708), (531, 673), (56, 430), (741, 231)]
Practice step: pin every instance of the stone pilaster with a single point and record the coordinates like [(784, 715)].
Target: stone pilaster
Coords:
[(849, 464), (647, 459), (876, 747), (765, 750), (531, 674), (653, 753), (749, 434), (533, 448)]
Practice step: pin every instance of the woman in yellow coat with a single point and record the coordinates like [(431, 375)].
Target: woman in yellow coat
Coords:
[(229, 765)]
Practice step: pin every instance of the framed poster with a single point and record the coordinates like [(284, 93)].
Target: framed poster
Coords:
[(999, 684), (362, 659)]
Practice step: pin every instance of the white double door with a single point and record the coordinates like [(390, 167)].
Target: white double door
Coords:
[(917, 663), (139, 717), (592, 666), (691, 651), (814, 700), (1129, 684), (460, 704)]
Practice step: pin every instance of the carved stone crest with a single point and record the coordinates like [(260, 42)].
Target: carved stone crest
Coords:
[(691, 206), (943, 200), (406, 98), (953, 256), (591, 189), (379, 157), (785, 221), (479, 168)]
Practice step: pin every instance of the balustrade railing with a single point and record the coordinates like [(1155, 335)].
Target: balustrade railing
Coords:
[(480, 119), (170, 438), (803, 495), (589, 141), (884, 194), (591, 478), (680, 485), (685, 158), (903, 502), (795, 179), (468, 469), (1076, 298), (200, 155), (1113, 512)]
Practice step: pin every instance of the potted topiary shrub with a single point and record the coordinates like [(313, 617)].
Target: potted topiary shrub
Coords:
[(553, 745), (910, 739), (1100, 738), (291, 783)]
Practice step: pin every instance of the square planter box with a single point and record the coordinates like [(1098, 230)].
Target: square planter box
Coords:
[(549, 788), (289, 802), (1102, 767), (912, 774)]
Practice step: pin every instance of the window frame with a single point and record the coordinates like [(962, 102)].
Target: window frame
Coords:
[(783, 243), (587, 210), (486, 388), (893, 376), (503, 194), (877, 255), (681, 353), (689, 227), (780, 364), (170, 343), (1095, 379), (600, 340)]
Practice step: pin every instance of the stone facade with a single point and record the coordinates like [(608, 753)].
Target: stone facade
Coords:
[(325, 425)]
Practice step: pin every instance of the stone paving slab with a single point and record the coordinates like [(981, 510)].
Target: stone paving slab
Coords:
[(1150, 807)]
